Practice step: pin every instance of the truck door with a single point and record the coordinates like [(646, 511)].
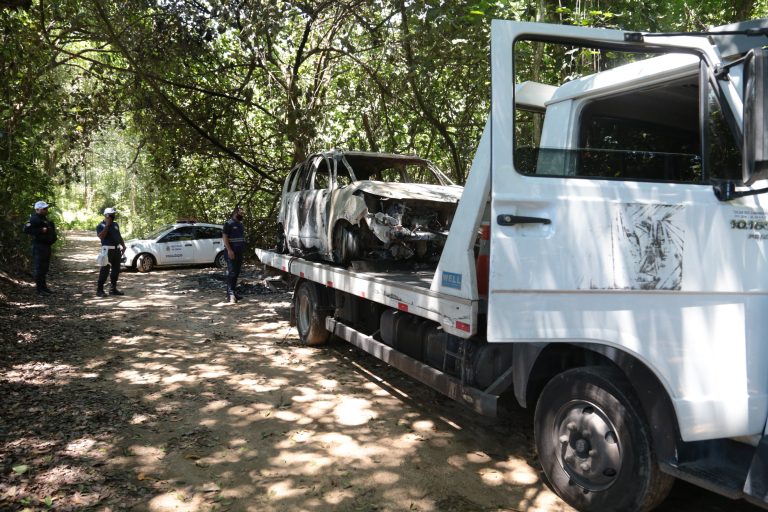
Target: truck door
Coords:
[(605, 228)]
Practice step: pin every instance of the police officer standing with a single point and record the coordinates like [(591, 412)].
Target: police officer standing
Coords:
[(108, 232), (43, 233), (234, 242)]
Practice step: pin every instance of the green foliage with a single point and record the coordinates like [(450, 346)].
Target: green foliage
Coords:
[(169, 109)]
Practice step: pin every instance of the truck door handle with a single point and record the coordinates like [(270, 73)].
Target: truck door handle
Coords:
[(511, 220), (188, 245)]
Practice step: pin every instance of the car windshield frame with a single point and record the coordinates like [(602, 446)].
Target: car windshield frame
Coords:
[(378, 162), (159, 232)]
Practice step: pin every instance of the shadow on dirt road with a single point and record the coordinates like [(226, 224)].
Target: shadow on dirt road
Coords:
[(168, 398)]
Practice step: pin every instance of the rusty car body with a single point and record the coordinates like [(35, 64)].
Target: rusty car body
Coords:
[(341, 206)]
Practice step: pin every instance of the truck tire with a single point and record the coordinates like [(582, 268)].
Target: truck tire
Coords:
[(310, 320), (594, 445)]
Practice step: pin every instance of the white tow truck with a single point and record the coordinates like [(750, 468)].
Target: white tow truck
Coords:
[(623, 290)]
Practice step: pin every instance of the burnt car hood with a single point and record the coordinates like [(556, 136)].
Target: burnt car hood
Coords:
[(420, 191)]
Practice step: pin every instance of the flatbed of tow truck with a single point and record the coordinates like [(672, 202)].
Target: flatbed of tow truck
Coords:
[(405, 290)]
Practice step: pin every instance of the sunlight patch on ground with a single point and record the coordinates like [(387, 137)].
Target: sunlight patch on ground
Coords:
[(344, 446), (478, 458), (137, 377), (337, 496), (216, 405), (37, 373), (424, 426), (144, 302), (210, 371), (385, 477), (80, 447), (283, 490), (64, 474), (490, 476), (176, 501), (355, 411), (180, 378), (320, 408), (301, 463), (328, 384), (256, 385)]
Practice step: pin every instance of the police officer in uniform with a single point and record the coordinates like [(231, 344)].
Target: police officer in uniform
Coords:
[(43, 233), (108, 232), (234, 242)]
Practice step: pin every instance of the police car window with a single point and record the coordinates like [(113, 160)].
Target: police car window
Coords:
[(156, 233), (208, 232), (179, 234)]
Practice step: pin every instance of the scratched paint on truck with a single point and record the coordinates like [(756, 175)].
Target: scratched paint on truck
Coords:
[(647, 246)]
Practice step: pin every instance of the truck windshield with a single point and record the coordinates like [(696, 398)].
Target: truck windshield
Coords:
[(597, 113)]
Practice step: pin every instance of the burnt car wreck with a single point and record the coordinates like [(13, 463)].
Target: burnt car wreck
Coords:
[(341, 206)]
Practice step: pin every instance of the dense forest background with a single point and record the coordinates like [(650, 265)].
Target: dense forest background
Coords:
[(183, 108)]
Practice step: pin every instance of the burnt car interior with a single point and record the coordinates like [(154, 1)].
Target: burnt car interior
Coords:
[(389, 170), (397, 224)]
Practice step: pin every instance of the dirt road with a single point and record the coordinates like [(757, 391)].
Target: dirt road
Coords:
[(170, 399)]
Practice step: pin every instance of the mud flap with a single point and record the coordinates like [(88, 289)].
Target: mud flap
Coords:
[(756, 486)]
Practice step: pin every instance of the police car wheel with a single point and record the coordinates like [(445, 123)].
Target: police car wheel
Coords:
[(220, 261), (145, 262), (310, 320)]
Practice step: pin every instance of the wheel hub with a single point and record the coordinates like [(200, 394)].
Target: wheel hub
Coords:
[(590, 451), (303, 314)]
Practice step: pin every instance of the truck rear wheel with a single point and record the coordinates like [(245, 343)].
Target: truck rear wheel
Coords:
[(594, 445), (310, 319)]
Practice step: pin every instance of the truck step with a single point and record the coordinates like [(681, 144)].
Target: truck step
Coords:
[(713, 475)]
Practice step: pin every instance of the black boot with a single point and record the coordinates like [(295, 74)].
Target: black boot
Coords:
[(115, 291), (100, 293)]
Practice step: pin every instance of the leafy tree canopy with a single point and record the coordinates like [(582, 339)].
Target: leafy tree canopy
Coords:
[(183, 108)]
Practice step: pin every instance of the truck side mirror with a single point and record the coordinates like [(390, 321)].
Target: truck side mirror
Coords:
[(755, 140)]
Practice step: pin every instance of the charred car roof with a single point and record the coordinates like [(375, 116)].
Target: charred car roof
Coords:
[(365, 163)]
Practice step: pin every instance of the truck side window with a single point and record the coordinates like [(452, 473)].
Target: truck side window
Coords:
[(605, 114)]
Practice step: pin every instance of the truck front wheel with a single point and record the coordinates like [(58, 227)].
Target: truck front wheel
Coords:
[(594, 445), (310, 320)]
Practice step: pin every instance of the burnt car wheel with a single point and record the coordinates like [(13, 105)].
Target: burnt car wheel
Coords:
[(310, 317), (282, 241), (346, 243), (594, 445), (145, 262)]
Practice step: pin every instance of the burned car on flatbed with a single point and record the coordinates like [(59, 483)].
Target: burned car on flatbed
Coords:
[(341, 206)]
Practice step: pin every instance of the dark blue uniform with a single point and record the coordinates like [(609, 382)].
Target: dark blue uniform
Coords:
[(41, 247), (113, 240), (235, 230)]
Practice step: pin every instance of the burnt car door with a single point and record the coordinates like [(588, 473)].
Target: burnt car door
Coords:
[(304, 213), (313, 211), (289, 209)]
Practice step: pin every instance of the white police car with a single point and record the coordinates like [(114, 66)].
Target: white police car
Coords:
[(182, 243)]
